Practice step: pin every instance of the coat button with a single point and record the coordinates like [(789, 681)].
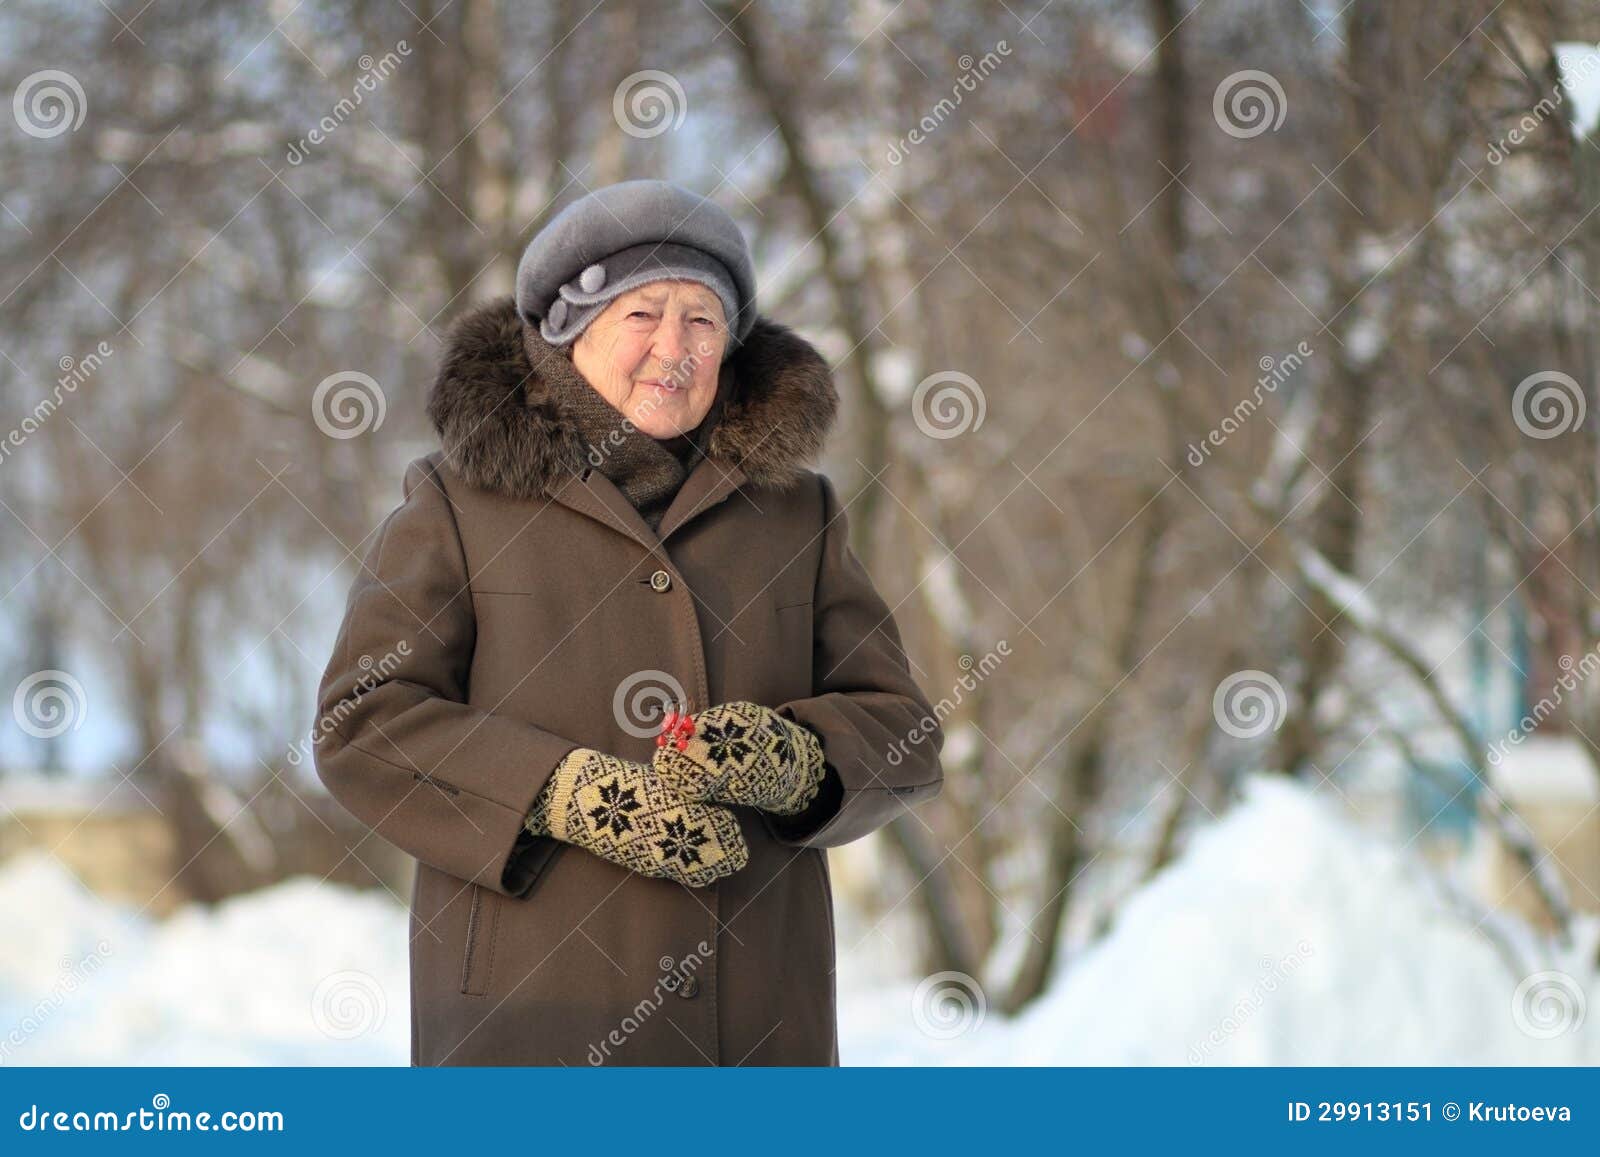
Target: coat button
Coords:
[(661, 580), (689, 988)]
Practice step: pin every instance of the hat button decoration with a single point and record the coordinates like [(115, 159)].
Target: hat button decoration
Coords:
[(621, 236)]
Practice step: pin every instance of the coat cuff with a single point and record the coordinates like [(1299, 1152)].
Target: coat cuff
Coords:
[(529, 857), (860, 793), (805, 824)]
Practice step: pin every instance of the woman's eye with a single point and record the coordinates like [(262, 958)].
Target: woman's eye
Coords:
[(703, 320), (639, 313)]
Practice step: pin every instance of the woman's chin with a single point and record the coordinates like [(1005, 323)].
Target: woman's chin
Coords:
[(666, 421)]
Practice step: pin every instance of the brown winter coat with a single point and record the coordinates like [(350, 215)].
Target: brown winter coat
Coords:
[(508, 611)]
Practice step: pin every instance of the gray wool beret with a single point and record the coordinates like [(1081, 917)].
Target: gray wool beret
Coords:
[(622, 236)]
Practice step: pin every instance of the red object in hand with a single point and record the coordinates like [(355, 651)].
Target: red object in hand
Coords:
[(676, 729)]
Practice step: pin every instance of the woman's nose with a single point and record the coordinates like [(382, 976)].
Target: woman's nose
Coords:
[(671, 345)]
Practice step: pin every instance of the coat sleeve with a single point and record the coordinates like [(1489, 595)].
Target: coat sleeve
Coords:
[(395, 741), (879, 735)]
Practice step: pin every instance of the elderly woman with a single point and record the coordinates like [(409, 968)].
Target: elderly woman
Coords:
[(611, 672)]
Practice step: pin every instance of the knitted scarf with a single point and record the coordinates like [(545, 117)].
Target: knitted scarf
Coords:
[(647, 470)]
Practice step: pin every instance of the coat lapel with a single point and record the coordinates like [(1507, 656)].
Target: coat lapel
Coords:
[(709, 483), (595, 496)]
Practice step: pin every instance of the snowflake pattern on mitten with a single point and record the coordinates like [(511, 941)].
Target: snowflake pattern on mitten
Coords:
[(623, 812), (743, 753)]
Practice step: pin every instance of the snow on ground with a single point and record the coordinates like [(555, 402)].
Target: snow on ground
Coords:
[(300, 973), (1282, 935)]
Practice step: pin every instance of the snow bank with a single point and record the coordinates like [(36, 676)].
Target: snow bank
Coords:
[(303, 973), (1282, 935)]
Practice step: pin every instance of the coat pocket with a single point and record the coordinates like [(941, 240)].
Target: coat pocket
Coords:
[(483, 912)]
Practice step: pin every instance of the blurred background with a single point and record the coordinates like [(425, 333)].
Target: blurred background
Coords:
[(1219, 385)]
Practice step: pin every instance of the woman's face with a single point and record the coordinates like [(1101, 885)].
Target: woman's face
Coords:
[(654, 354)]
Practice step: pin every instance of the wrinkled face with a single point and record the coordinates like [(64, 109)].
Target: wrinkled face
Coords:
[(654, 354)]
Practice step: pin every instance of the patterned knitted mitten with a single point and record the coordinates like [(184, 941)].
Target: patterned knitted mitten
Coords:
[(740, 753), (622, 812)]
